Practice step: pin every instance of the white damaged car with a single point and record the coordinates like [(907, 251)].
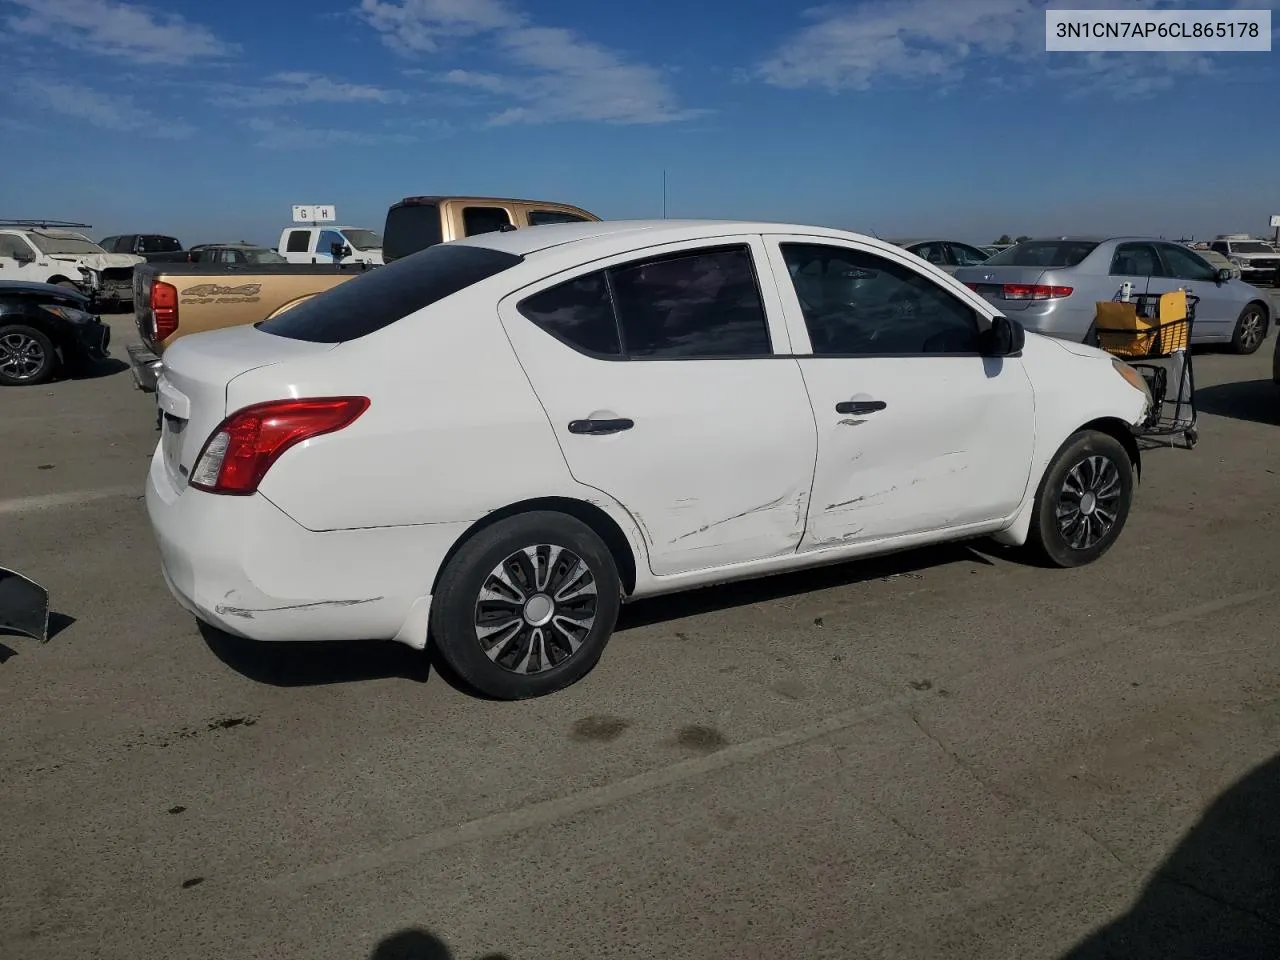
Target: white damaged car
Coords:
[(494, 442), (39, 253)]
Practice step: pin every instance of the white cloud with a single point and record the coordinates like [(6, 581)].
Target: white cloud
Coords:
[(290, 136), (106, 111), (558, 76), (117, 29), (291, 88), (918, 42)]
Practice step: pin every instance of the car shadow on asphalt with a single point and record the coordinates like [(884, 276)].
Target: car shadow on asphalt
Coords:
[(415, 943), (1218, 892), (1257, 401), (302, 664), (97, 369)]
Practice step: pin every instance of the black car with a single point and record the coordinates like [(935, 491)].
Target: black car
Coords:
[(46, 329)]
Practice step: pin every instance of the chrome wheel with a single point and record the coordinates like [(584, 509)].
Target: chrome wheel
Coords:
[(1089, 502), (1252, 330), (22, 357), (536, 608)]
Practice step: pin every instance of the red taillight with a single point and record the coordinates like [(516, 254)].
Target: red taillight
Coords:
[(1034, 291), (241, 451), (164, 309), (972, 286)]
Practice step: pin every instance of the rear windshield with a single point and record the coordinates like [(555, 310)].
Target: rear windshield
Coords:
[(386, 294), (1043, 253), (410, 228), (157, 244)]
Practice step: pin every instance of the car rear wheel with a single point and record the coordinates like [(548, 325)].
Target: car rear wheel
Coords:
[(27, 356), (1251, 330), (526, 606), (1083, 500)]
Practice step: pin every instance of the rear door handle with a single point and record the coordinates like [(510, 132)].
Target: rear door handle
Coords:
[(597, 428), (860, 406)]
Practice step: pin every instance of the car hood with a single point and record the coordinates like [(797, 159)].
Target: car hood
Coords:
[(45, 290), (99, 261), (1079, 349)]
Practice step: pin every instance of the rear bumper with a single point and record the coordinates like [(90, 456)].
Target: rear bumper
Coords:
[(242, 565), (145, 366)]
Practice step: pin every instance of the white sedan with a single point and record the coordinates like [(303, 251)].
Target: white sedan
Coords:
[(493, 443)]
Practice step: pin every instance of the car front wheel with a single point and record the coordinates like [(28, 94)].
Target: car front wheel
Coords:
[(1251, 330), (526, 606), (27, 356), (1083, 500)]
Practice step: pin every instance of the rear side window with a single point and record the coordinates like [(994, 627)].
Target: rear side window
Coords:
[(579, 313), (299, 241), (703, 304), (384, 295), (476, 220), (1043, 253), (539, 218), (1136, 260), (410, 227)]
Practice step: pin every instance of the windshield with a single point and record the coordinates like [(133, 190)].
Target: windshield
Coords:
[(1250, 248), (1043, 253), (363, 239), (263, 255), (67, 243)]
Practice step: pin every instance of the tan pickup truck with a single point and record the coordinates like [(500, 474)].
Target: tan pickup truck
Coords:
[(173, 300)]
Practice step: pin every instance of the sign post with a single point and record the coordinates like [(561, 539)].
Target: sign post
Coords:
[(314, 213), (1275, 225)]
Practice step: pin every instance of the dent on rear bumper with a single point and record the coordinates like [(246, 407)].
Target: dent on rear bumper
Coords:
[(243, 566)]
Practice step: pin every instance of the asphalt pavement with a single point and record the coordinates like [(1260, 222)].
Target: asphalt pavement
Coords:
[(942, 754)]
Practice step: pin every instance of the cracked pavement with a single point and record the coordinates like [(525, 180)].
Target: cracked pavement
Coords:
[(943, 753)]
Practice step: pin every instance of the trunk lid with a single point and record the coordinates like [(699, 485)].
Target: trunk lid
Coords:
[(191, 391), (989, 283)]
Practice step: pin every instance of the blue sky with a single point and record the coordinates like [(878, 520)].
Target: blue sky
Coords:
[(900, 117)]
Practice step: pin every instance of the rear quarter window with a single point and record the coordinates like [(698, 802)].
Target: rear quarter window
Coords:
[(384, 295), (1043, 253)]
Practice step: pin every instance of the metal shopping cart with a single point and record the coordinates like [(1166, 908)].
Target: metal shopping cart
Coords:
[(1152, 333)]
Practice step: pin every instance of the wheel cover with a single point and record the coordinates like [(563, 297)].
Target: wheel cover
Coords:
[(536, 608), (1088, 502), (1251, 329), (21, 356)]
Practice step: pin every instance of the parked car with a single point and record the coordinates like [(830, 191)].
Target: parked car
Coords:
[(947, 255), (300, 244), (499, 439), (1052, 285), (416, 223), (46, 329), (40, 251), (221, 289), (1258, 261), (1218, 261), (228, 253), (145, 245)]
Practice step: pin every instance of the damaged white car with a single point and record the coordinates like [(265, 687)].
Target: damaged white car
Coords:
[(47, 251), (496, 441)]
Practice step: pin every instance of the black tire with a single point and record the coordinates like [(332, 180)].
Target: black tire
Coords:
[(456, 611), (1079, 464), (1251, 330), (27, 356)]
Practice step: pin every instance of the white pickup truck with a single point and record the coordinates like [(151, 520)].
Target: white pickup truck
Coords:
[(316, 244), (47, 251)]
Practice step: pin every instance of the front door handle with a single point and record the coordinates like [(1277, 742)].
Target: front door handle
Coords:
[(860, 406), (596, 428)]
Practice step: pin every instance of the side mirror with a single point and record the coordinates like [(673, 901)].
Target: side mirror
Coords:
[(1006, 338), (1224, 275), (24, 257), (340, 251)]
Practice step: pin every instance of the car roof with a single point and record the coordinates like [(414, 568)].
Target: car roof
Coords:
[(530, 240), (47, 289)]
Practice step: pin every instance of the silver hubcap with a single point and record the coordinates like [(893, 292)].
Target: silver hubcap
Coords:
[(536, 608), (21, 356), (1251, 329), (1089, 502)]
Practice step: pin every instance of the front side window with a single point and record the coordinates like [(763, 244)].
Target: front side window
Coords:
[(695, 304), (477, 220), (299, 241), (1185, 264), (861, 304), (327, 239), (13, 247), (540, 218)]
